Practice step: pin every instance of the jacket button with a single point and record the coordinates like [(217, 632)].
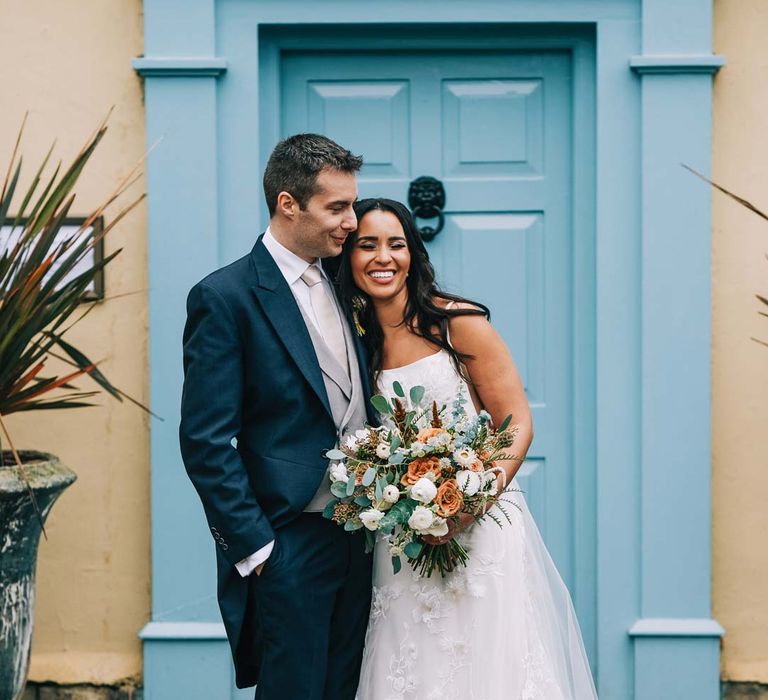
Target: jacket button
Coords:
[(224, 546)]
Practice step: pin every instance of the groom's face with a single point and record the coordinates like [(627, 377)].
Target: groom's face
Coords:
[(321, 228)]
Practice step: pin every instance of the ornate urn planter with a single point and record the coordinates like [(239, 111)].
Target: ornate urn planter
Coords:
[(19, 537)]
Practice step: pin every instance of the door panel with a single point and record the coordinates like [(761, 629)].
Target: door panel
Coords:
[(495, 128)]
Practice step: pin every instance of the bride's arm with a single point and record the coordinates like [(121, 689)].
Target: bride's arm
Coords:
[(496, 381)]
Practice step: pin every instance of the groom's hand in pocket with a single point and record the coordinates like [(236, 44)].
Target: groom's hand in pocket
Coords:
[(259, 568)]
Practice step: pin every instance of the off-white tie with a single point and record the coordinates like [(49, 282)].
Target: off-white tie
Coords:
[(326, 315)]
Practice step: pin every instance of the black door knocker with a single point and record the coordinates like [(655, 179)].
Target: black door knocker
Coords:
[(426, 198)]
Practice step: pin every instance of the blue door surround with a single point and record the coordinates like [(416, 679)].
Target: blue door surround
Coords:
[(650, 220)]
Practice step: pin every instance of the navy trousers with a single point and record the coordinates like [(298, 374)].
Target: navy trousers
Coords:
[(312, 601)]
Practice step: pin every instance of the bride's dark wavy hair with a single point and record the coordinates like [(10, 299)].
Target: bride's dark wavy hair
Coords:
[(423, 315)]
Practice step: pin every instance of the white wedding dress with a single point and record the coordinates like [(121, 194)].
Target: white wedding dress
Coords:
[(503, 628)]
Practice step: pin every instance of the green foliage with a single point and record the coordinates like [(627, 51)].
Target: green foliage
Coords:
[(417, 394), (41, 297), (329, 508), (381, 404), (413, 549), (339, 489)]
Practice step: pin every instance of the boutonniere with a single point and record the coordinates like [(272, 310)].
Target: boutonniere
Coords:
[(358, 304)]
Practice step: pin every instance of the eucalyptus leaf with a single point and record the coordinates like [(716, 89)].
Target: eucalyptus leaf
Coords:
[(417, 394), (329, 508), (381, 404), (394, 443), (388, 522), (396, 458), (339, 489), (379, 489), (413, 549), (398, 389), (363, 501), (335, 454), (396, 564), (350, 486), (369, 476), (352, 525)]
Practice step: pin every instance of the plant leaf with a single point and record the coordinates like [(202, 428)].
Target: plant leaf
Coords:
[(417, 394), (381, 404)]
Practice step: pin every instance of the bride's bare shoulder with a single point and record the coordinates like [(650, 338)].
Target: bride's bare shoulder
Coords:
[(469, 332)]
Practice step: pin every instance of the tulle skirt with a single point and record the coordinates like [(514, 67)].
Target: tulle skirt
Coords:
[(501, 628)]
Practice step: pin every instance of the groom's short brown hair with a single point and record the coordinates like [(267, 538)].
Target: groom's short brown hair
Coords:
[(297, 161)]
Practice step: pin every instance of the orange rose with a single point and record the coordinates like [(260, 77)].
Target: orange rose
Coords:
[(420, 468), (484, 455), (426, 433), (477, 466), (449, 499)]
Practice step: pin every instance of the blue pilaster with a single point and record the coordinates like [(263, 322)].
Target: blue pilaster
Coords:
[(185, 651), (676, 643)]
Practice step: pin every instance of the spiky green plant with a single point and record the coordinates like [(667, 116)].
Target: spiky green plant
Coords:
[(41, 296)]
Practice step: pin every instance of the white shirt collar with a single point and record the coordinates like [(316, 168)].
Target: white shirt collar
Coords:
[(290, 264)]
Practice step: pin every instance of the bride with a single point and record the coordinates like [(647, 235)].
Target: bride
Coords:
[(503, 627)]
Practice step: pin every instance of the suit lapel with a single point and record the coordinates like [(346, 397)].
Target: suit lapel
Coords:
[(280, 306)]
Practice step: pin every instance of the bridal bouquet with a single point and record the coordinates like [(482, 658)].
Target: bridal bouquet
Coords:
[(415, 477)]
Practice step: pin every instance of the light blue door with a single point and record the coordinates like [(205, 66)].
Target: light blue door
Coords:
[(495, 128)]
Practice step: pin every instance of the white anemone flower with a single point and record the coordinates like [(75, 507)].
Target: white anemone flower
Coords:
[(391, 494), (371, 517), (382, 450)]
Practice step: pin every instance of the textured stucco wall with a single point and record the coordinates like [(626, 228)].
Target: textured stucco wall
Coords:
[(740, 365), (68, 63)]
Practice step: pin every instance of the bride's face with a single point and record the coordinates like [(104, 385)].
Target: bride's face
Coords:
[(380, 257)]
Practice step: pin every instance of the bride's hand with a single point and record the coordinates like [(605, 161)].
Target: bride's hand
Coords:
[(454, 528)]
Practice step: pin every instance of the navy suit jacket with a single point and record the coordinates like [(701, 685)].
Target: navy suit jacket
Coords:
[(251, 373)]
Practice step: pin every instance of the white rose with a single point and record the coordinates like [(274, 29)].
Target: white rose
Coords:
[(464, 456), (350, 443), (391, 494), (439, 527), (424, 490), (370, 518), (421, 519), (382, 450), (361, 434), (468, 481), (338, 472)]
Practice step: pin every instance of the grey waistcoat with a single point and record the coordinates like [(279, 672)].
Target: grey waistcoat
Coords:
[(345, 395)]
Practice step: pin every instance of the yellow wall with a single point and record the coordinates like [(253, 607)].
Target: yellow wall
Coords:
[(740, 366), (67, 63)]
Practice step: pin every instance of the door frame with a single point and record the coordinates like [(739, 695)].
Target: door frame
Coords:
[(655, 636), (578, 41)]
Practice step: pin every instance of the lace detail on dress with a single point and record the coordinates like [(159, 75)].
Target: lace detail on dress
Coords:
[(487, 631)]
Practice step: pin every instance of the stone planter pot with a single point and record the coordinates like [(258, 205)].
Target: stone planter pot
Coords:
[(19, 536)]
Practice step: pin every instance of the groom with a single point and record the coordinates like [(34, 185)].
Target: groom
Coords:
[(273, 377)]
